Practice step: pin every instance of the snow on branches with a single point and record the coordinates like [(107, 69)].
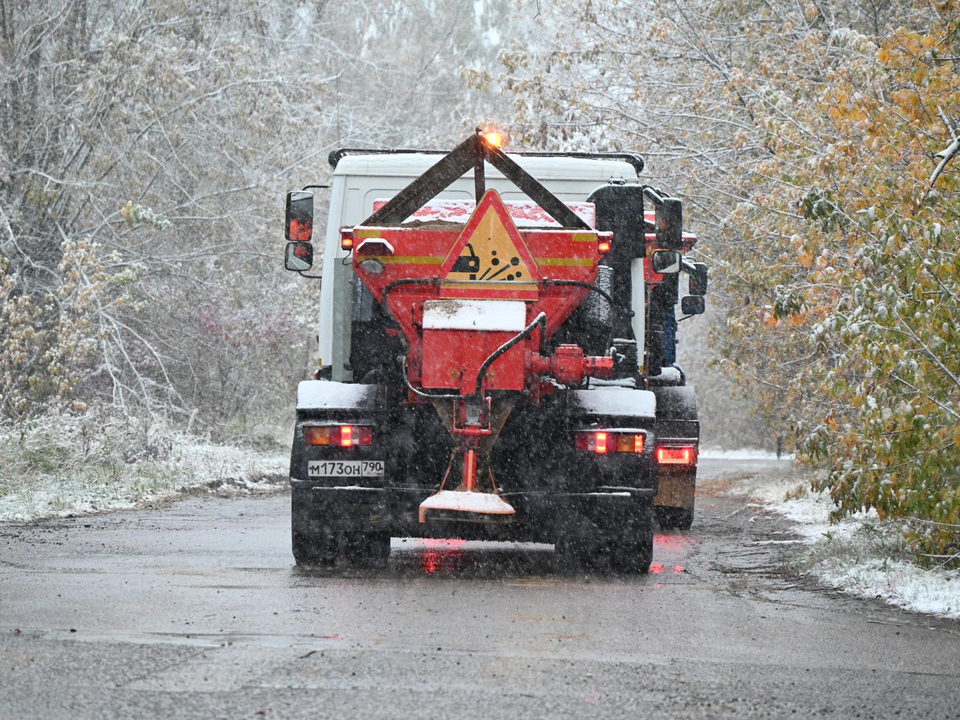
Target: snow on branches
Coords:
[(803, 138)]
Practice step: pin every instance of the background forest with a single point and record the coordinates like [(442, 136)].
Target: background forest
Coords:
[(145, 148)]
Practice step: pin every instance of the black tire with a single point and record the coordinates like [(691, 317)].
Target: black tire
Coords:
[(326, 545), (672, 518)]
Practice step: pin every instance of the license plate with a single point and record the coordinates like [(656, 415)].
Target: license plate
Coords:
[(345, 468)]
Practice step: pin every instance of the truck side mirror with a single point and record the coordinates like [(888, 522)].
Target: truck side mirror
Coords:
[(692, 305), (697, 282), (665, 262), (299, 216), (298, 256), (669, 223)]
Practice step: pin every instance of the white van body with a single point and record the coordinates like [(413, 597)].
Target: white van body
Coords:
[(361, 180)]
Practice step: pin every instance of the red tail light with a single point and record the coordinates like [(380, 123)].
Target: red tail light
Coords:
[(606, 441), (676, 455), (338, 435), (346, 239), (600, 442), (603, 246)]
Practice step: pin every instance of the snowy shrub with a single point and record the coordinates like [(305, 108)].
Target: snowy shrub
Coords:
[(68, 440), (86, 461), (159, 143), (868, 354), (48, 336)]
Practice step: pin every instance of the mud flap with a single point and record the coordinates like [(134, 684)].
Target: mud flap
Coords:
[(337, 526), (677, 489), (334, 509), (608, 532)]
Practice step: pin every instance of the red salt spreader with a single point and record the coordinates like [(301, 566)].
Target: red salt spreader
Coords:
[(475, 342)]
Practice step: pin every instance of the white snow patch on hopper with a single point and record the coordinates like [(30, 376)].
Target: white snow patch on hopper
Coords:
[(502, 315)]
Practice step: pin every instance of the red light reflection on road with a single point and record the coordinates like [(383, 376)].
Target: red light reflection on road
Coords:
[(440, 555), (671, 549), (665, 540)]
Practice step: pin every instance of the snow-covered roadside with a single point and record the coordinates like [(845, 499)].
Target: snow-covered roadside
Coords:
[(860, 555), (745, 454), (44, 474)]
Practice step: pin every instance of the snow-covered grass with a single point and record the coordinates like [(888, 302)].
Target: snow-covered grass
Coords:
[(860, 555), (68, 465)]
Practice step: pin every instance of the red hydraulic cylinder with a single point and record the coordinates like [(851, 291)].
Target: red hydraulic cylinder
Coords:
[(569, 366)]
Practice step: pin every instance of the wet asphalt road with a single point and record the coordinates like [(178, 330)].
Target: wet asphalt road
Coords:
[(196, 610)]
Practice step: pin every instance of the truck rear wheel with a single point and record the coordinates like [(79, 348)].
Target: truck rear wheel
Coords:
[(325, 544)]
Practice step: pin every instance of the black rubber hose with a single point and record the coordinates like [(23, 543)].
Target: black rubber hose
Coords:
[(540, 320), (421, 393), (614, 308)]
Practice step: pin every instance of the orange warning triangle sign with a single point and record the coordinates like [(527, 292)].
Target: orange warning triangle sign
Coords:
[(490, 248)]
